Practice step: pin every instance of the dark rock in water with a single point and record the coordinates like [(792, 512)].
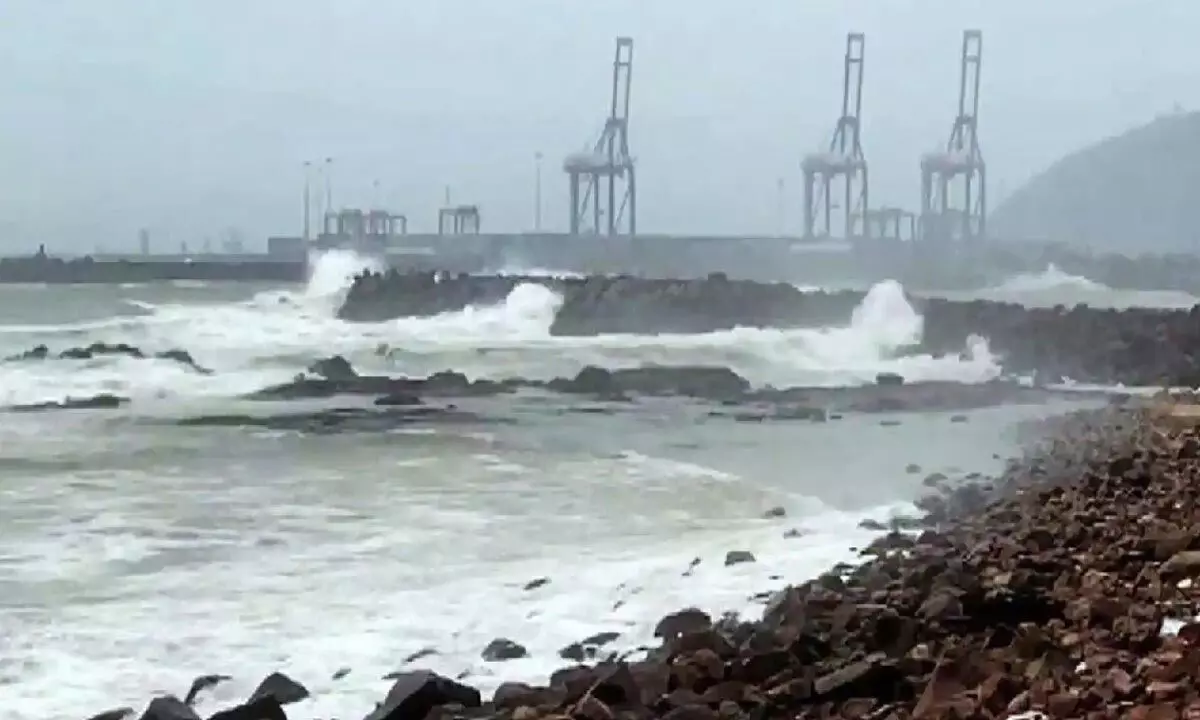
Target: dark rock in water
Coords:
[(168, 707), (415, 694), (889, 379), (267, 707), (934, 479), (682, 621), (711, 382), (183, 357), (281, 687), (341, 673), (502, 649), (423, 652), (335, 368), (398, 400), (441, 384), (100, 349), (587, 648), (341, 420), (201, 684), (737, 557), (103, 401), (537, 583), (115, 714), (37, 352)]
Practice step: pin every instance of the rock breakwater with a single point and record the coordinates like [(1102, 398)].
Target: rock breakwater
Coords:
[(1134, 346), (601, 304), (1065, 588)]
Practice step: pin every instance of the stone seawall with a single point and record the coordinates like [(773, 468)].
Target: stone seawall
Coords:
[(1135, 346), (60, 271)]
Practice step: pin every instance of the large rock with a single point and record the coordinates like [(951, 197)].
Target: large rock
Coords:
[(1132, 346), (414, 694)]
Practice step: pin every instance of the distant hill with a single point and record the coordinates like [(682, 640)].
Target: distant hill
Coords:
[(1136, 192)]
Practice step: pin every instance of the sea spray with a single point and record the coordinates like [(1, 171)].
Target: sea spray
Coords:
[(276, 333)]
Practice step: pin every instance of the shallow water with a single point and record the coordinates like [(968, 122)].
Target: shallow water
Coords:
[(136, 554)]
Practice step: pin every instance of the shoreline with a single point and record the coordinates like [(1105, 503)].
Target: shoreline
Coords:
[(795, 662)]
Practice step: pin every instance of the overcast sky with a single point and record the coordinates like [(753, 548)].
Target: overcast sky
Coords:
[(187, 116)]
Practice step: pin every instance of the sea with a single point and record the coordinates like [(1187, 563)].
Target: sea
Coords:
[(137, 553)]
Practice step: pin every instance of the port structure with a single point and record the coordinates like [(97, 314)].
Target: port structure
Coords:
[(360, 230), (891, 224), (954, 182), (603, 186), (843, 166), (459, 220)]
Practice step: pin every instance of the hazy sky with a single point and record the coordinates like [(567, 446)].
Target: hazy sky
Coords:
[(187, 116)]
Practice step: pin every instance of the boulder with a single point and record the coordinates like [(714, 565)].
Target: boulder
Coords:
[(414, 694)]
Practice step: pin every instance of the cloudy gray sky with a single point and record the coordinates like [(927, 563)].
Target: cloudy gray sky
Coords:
[(188, 116)]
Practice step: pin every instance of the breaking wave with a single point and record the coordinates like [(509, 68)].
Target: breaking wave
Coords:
[(1054, 286), (270, 336)]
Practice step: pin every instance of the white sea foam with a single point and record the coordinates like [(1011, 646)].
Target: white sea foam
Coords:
[(134, 558), (132, 584), (274, 334), (159, 595), (1053, 286)]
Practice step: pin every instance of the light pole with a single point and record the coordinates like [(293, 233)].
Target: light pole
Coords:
[(537, 191), (779, 206), (328, 184), (307, 201)]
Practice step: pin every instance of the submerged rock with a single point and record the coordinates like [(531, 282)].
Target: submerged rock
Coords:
[(103, 401), (101, 349), (337, 420), (737, 557), (502, 649), (718, 384), (202, 683)]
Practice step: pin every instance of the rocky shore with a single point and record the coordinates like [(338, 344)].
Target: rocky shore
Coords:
[(1064, 588), (398, 400), (1136, 346), (719, 390)]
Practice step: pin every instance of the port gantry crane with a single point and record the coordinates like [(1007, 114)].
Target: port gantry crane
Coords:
[(602, 183), (954, 182), (843, 161)]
